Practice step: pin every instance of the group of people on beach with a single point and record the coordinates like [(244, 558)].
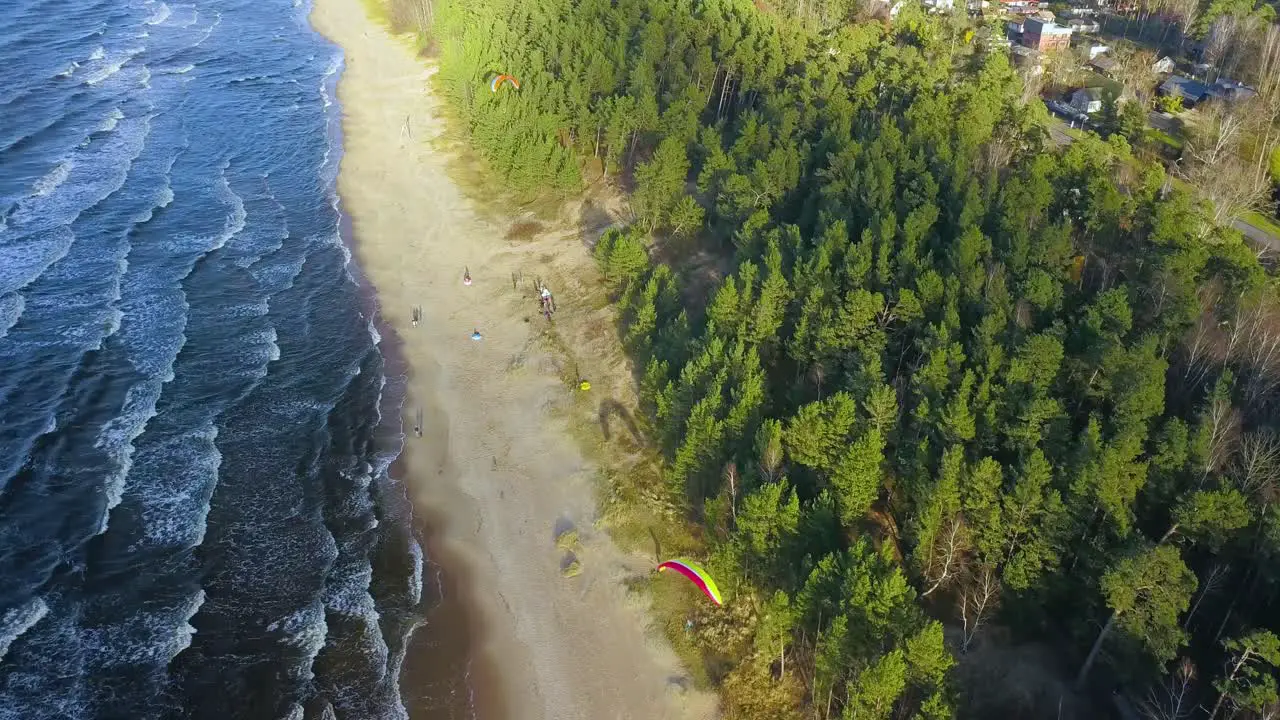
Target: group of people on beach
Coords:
[(547, 304)]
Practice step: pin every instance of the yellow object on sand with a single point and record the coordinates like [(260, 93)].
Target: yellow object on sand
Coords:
[(584, 385)]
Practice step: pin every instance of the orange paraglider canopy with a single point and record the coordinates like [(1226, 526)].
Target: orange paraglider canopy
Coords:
[(498, 80)]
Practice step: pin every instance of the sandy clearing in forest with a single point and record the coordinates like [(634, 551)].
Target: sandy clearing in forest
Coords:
[(496, 470)]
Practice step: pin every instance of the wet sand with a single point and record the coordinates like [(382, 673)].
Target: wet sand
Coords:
[(496, 476)]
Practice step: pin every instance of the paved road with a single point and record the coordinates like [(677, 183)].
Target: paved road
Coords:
[(1257, 234)]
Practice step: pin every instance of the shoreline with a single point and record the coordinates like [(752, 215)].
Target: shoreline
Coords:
[(496, 477)]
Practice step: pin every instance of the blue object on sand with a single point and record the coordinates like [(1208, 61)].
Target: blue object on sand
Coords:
[(476, 335)]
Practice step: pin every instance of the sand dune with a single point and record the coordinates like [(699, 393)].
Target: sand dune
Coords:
[(495, 473)]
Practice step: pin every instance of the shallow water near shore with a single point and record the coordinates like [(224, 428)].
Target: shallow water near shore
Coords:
[(196, 413)]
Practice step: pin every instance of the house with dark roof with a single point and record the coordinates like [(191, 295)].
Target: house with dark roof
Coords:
[(1231, 91), (1104, 65), (1191, 91)]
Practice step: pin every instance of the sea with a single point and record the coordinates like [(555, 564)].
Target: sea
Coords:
[(197, 421)]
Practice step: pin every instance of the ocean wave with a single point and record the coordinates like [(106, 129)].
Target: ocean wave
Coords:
[(235, 220), (52, 179), (112, 121), (151, 636), (96, 170), (329, 78), (17, 621), (415, 579), (11, 305), (28, 257), (305, 628), (117, 437), (161, 14), (179, 478), (182, 637), (111, 66), (187, 15), (217, 20)]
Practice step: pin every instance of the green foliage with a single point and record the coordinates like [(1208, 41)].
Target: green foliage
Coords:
[(1212, 515), (1147, 593), (873, 694), (660, 184), (1251, 681), (621, 255), (1171, 104)]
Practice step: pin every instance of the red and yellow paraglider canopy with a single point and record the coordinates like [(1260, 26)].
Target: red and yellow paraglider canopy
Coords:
[(498, 81), (697, 575)]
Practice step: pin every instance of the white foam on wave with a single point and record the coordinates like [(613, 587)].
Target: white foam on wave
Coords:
[(26, 258), (98, 53), (415, 580), (112, 121), (151, 635), (116, 441), (71, 69), (335, 64), (161, 14), (97, 168), (347, 592), (52, 179), (305, 629), (176, 509), (37, 234), (111, 66), (183, 633), (217, 20), (235, 220), (17, 621), (11, 307)]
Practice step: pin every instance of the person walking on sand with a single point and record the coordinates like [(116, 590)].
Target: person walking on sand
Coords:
[(466, 277), (416, 315)]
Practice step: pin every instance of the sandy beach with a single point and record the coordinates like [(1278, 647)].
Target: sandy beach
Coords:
[(496, 476)]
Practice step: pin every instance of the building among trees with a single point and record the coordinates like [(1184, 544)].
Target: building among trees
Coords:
[(1045, 36)]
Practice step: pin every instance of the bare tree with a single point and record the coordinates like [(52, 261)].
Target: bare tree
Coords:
[(1201, 349), (947, 559), (1213, 164), (1257, 463), (1266, 80), (771, 455), (1223, 421), (1188, 13), (1220, 41), (1172, 699), (731, 478), (410, 15), (978, 600), (1210, 585), (1136, 72), (1262, 356)]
